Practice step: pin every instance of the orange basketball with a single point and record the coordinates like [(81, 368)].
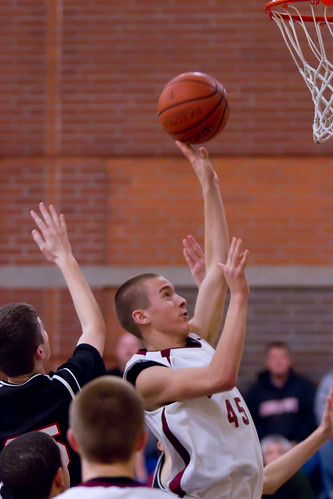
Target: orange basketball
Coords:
[(193, 108)]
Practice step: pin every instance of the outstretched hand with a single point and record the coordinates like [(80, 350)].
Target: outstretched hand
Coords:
[(199, 159), (234, 269), (51, 238), (195, 259)]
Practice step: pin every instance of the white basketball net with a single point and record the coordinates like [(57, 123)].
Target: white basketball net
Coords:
[(310, 57)]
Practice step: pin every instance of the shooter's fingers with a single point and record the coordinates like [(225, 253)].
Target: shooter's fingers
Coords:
[(188, 258), (235, 256), (186, 149), (193, 247), (231, 251), (203, 152), (244, 258), (196, 246)]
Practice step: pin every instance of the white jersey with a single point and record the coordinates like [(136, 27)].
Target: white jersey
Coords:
[(213, 444), (112, 488)]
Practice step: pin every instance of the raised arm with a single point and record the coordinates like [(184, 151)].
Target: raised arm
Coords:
[(283, 468), (52, 240), (210, 302), (159, 385)]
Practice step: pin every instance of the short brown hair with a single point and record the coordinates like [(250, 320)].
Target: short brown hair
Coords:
[(107, 419), (28, 465), (20, 337), (132, 295)]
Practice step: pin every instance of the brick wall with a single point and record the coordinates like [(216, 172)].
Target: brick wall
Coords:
[(79, 84)]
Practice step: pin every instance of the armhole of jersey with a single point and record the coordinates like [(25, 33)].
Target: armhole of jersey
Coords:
[(137, 368), (72, 388), (156, 481)]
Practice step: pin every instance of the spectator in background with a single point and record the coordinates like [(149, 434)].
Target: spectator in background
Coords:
[(298, 486), (281, 401), (31, 467), (126, 346), (326, 451)]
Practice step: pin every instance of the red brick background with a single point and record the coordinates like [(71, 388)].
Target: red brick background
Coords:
[(79, 84)]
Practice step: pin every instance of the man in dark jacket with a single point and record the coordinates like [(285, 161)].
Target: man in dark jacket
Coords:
[(281, 401)]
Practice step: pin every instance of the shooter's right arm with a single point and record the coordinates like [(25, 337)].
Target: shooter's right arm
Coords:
[(209, 306)]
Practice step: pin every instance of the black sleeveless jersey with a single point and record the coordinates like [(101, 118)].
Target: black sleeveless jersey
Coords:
[(42, 402)]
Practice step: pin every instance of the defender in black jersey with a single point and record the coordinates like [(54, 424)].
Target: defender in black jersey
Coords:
[(30, 398)]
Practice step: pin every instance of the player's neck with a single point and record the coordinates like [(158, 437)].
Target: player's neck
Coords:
[(18, 380), (99, 470), (161, 341)]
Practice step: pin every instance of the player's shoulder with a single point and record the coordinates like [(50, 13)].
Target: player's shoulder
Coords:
[(37, 380), (85, 364), (144, 356)]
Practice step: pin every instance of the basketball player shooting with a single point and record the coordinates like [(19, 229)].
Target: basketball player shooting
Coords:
[(191, 402), (192, 405)]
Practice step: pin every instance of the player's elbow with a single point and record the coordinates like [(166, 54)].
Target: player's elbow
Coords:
[(227, 381)]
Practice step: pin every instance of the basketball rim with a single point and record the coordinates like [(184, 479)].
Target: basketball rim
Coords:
[(284, 3)]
